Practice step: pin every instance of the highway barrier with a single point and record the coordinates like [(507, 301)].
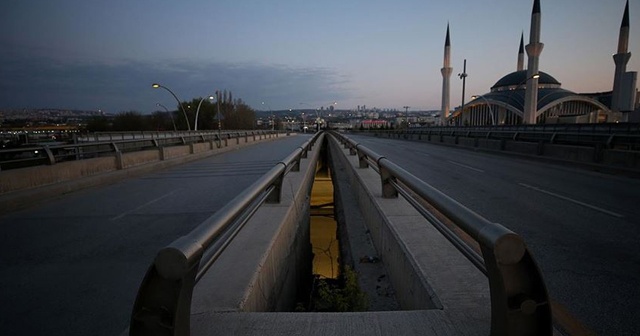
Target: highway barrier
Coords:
[(601, 146), (164, 301), (519, 300)]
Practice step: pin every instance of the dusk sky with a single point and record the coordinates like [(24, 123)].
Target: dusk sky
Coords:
[(82, 54)]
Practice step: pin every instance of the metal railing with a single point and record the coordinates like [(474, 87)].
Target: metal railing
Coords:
[(52, 153), (624, 136), (163, 303), (519, 298)]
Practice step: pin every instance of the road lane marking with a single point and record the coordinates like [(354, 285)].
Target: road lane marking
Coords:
[(465, 166), (593, 207), (142, 206)]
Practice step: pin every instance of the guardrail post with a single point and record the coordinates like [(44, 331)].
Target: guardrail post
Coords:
[(388, 190), (362, 160), (276, 194), (163, 303), (119, 161), (51, 159), (519, 300)]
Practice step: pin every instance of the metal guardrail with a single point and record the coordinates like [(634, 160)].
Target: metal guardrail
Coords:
[(618, 128), (628, 141), (52, 153), (114, 136), (519, 299), (609, 135), (163, 303)]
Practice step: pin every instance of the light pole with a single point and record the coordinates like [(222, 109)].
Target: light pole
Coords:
[(463, 76), (273, 120), (195, 127), (493, 121), (156, 85), (170, 115), (219, 124), (536, 76)]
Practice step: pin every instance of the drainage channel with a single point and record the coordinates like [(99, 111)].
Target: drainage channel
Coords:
[(347, 273)]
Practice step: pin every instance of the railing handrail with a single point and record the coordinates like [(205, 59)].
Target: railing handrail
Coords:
[(605, 139), (163, 302), (74, 149), (519, 298)]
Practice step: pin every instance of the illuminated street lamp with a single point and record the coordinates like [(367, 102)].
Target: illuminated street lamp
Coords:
[(219, 123), (534, 76), (170, 115), (156, 85), (493, 121), (195, 127), (273, 120)]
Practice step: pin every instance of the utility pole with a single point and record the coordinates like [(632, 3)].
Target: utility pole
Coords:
[(463, 76)]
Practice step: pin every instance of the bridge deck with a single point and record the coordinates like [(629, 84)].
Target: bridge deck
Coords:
[(414, 322)]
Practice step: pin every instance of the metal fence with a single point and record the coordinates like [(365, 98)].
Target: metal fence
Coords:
[(107, 144), (601, 138), (519, 298), (163, 303)]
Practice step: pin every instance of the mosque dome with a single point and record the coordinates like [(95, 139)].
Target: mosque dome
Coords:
[(518, 78)]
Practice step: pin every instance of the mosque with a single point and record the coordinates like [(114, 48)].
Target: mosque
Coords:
[(531, 96)]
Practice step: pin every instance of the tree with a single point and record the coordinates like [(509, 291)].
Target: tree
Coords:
[(98, 124), (129, 121)]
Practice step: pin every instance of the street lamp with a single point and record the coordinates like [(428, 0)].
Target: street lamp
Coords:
[(170, 115), (493, 121), (156, 85), (273, 120), (536, 76), (195, 127), (463, 76), (218, 114)]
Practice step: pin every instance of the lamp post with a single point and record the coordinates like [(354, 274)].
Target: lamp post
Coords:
[(170, 115), (156, 85), (536, 76), (273, 120), (463, 76), (195, 127), (219, 124), (493, 121)]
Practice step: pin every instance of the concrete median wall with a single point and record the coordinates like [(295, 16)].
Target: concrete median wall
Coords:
[(426, 271), (19, 187), (263, 267)]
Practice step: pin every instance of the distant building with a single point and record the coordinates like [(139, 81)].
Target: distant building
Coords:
[(374, 123), (531, 96)]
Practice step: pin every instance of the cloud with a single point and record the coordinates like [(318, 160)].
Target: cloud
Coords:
[(122, 85)]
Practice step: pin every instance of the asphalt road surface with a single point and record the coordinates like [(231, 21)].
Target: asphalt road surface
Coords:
[(72, 266), (583, 227)]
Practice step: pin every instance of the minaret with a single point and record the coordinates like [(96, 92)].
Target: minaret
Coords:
[(534, 49), (446, 75), (521, 54), (621, 59)]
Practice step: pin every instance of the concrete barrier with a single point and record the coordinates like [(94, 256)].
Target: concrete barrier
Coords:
[(263, 267), (20, 187), (426, 271)]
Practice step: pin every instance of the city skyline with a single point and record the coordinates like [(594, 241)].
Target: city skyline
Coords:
[(78, 55)]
